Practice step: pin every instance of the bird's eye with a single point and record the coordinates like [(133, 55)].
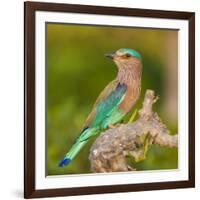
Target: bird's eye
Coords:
[(127, 55)]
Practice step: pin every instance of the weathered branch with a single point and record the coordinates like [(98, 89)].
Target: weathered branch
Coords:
[(109, 151)]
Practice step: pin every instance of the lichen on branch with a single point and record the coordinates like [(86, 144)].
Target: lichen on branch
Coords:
[(109, 151)]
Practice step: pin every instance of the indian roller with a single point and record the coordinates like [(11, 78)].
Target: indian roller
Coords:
[(114, 102)]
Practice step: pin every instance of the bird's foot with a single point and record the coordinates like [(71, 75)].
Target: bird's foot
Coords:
[(114, 126), (111, 126)]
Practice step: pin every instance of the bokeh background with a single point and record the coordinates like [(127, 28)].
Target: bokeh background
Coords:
[(77, 71)]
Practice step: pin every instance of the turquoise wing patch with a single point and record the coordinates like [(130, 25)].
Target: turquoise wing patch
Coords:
[(106, 107)]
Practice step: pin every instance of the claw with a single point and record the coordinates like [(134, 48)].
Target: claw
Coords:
[(114, 126), (111, 126)]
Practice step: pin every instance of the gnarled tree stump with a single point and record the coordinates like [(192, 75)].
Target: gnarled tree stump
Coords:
[(109, 151)]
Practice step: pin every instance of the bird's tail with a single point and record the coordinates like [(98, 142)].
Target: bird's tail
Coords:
[(77, 146)]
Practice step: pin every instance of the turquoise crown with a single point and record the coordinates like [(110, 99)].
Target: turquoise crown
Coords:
[(132, 52)]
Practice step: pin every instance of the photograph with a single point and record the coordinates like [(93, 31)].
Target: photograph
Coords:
[(109, 99), (97, 77)]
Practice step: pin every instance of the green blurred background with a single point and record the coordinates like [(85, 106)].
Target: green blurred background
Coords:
[(77, 72)]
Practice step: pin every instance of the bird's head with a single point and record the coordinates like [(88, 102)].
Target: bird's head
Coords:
[(125, 57)]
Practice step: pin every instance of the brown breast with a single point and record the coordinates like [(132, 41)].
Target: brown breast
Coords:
[(131, 97)]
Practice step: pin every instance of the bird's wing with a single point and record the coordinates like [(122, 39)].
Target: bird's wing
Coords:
[(108, 99)]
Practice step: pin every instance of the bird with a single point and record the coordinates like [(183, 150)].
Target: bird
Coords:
[(114, 102)]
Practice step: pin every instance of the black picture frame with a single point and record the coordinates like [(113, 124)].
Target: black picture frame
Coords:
[(30, 9)]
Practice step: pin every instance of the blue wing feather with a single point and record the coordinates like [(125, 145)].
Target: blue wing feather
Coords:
[(105, 108)]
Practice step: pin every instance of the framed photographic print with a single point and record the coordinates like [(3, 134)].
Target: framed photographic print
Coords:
[(109, 99)]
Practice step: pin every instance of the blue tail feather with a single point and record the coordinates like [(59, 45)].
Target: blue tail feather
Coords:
[(78, 145), (64, 162)]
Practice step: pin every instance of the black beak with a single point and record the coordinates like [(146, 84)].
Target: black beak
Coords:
[(110, 55)]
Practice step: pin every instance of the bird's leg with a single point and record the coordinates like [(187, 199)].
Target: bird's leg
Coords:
[(115, 126), (111, 126)]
